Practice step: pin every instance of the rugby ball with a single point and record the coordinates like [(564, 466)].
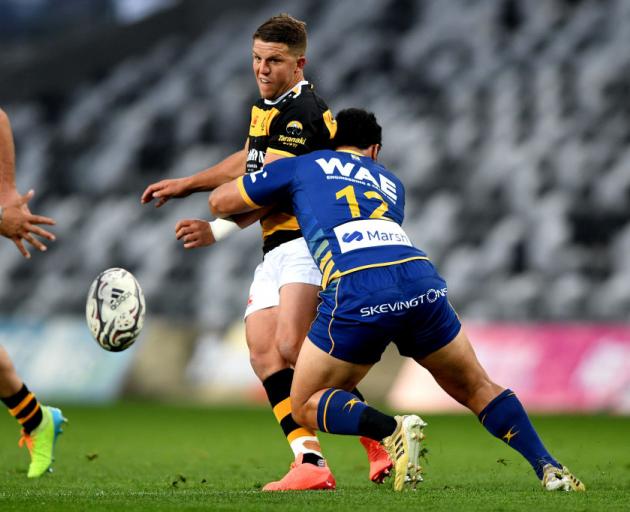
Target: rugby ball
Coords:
[(115, 309)]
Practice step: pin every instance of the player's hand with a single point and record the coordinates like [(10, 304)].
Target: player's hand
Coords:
[(194, 233), (164, 190), (19, 224)]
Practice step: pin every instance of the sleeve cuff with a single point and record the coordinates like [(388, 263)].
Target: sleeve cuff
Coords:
[(244, 194), (279, 152)]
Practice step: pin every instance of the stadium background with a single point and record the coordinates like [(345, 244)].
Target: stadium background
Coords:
[(507, 120)]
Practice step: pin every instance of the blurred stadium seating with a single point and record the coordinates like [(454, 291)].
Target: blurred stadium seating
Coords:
[(507, 121)]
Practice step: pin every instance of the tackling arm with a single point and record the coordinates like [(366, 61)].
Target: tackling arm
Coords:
[(242, 220), (241, 213), (227, 200), (254, 191)]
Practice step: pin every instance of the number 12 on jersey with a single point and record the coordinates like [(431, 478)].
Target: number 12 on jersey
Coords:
[(350, 196)]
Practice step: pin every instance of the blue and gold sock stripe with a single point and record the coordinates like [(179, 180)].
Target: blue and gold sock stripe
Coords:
[(323, 411)]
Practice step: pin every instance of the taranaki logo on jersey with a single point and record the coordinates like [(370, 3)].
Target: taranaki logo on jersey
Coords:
[(294, 128)]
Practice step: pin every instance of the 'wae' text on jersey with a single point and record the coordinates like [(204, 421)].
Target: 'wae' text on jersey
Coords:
[(350, 171)]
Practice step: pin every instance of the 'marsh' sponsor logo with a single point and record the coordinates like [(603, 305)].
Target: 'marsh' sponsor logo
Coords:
[(381, 236), (361, 234), (385, 236), (351, 237)]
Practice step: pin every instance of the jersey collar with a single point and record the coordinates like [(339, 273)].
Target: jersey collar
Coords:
[(296, 89), (350, 151)]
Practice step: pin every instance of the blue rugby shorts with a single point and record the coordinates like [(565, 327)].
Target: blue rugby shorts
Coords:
[(362, 312)]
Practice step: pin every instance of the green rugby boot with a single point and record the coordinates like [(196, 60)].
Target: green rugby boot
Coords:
[(41, 441)]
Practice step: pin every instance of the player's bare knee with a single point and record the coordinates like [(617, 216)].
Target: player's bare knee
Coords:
[(255, 362), (288, 344), (299, 412), (289, 350), (266, 363), (260, 364)]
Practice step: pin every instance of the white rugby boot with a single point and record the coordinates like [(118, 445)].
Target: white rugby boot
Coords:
[(560, 479), (404, 449)]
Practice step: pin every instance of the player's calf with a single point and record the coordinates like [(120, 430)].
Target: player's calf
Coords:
[(505, 418), (341, 412)]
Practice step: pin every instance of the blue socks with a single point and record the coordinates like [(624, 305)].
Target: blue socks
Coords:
[(505, 418), (341, 412)]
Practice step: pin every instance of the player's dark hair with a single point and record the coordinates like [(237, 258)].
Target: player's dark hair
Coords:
[(357, 127), (284, 29)]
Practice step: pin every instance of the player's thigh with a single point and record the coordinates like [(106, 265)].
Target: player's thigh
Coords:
[(299, 281), (457, 370), (317, 370), (296, 311), (261, 319), (260, 328)]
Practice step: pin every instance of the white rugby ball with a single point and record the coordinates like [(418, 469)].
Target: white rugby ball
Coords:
[(115, 309)]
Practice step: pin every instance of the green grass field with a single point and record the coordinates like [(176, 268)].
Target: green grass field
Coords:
[(150, 457)]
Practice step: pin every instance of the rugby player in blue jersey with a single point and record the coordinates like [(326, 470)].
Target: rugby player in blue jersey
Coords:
[(377, 288)]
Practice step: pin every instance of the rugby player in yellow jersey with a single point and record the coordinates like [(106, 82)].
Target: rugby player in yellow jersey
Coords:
[(40, 424), (288, 120)]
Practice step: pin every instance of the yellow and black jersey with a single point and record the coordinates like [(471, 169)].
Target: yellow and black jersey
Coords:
[(295, 124)]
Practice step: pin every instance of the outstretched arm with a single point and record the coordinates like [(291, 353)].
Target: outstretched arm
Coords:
[(16, 221), (7, 161), (226, 170)]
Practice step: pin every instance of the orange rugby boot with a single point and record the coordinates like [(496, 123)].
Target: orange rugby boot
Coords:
[(380, 463), (304, 477)]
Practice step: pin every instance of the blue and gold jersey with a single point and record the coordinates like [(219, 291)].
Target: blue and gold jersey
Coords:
[(350, 208), (295, 124)]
